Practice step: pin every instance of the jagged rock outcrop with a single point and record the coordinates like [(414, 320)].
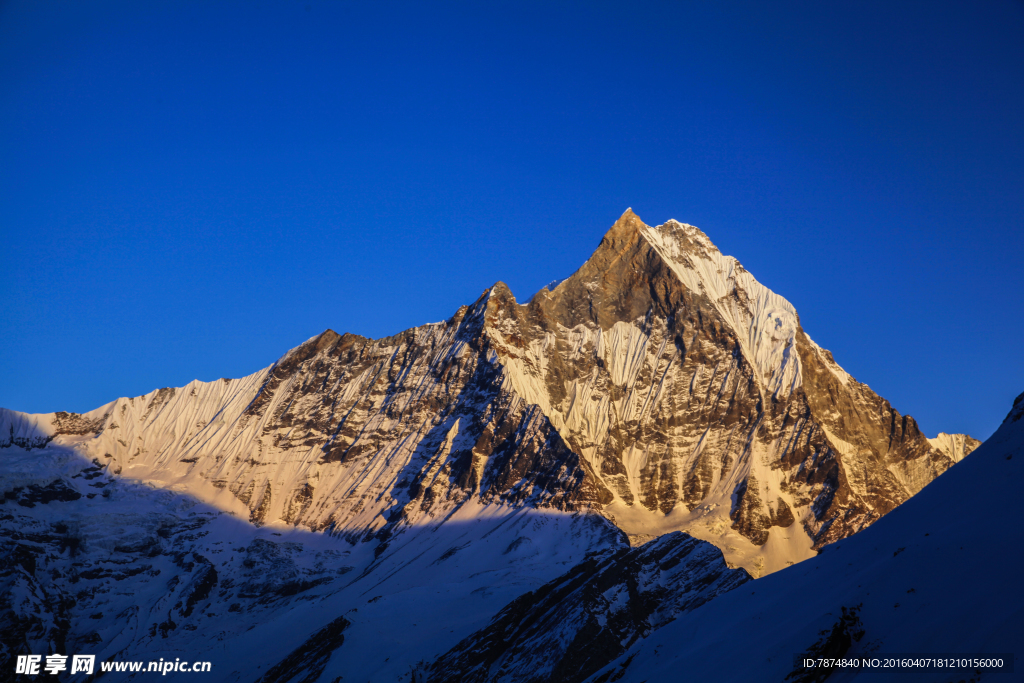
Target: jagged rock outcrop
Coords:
[(572, 626)]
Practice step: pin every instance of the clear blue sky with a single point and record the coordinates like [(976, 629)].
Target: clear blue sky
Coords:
[(189, 189)]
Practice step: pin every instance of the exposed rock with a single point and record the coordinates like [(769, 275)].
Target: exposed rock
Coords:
[(307, 662), (571, 627)]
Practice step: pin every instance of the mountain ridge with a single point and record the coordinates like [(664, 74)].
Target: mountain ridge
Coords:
[(588, 380), (645, 286)]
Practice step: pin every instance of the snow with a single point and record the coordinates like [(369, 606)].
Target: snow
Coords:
[(956, 446), (710, 522), (764, 322)]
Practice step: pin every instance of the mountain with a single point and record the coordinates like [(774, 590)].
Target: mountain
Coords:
[(699, 402), (932, 577), (660, 385), (431, 478)]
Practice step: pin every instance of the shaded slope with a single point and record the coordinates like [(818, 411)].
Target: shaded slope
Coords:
[(574, 625), (937, 576), (94, 563)]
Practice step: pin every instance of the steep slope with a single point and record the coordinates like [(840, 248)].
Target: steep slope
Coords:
[(661, 385), (955, 446), (934, 577)]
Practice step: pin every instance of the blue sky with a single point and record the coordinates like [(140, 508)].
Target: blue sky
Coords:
[(189, 189)]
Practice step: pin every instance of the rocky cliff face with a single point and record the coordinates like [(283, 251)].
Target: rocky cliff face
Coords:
[(345, 433), (660, 385)]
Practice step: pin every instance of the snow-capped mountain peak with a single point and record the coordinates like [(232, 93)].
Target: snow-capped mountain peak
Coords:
[(659, 388)]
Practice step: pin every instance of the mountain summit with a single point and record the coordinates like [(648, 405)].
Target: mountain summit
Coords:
[(698, 402)]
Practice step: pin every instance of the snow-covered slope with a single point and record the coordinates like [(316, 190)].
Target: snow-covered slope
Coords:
[(935, 576), (343, 433), (764, 322), (35, 431), (956, 446), (97, 564)]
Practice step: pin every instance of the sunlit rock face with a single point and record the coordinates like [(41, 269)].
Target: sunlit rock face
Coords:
[(931, 576)]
